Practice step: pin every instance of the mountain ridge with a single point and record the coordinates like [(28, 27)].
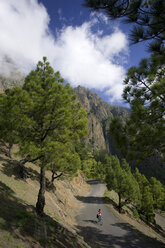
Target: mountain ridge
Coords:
[(99, 114)]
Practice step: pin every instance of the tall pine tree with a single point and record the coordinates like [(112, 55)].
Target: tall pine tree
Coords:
[(48, 121)]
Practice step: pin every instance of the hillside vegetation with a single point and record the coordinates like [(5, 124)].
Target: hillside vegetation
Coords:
[(49, 125), (100, 138), (146, 196), (20, 226)]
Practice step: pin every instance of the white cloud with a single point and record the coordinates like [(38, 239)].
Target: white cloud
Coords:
[(83, 57), (100, 17), (25, 36)]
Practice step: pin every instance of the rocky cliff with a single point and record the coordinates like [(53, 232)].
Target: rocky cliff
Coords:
[(99, 116), (99, 138)]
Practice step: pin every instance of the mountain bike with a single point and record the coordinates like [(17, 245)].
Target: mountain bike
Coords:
[(100, 220)]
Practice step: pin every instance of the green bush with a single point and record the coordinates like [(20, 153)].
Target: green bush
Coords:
[(135, 213)]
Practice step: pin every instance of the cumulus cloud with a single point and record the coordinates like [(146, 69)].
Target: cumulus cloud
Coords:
[(25, 36), (83, 54)]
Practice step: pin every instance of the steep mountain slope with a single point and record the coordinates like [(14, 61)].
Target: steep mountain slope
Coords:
[(19, 224), (99, 116)]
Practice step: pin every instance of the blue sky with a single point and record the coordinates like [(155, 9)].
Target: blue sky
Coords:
[(87, 48)]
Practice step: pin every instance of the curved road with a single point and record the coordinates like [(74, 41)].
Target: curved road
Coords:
[(114, 233)]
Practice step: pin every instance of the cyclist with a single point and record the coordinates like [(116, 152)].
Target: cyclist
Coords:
[(99, 217)]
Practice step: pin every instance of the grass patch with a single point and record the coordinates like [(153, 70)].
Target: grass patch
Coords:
[(56, 218), (18, 217), (9, 238), (109, 199)]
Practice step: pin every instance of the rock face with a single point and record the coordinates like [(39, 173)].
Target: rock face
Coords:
[(99, 116), (10, 75)]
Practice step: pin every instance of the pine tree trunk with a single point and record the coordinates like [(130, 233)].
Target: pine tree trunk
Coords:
[(41, 195), (82, 166), (10, 150), (22, 171), (50, 185), (119, 203), (52, 179)]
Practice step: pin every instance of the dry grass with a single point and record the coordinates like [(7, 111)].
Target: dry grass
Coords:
[(20, 227)]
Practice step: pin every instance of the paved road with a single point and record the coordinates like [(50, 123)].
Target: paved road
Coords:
[(114, 233)]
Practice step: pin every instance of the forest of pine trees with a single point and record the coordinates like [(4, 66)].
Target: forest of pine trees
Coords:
[(45, 120), (145, 195)]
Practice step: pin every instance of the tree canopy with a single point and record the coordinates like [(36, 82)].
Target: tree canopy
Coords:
[(144, 134), (120, 179), (145, 91), (47, 121), (148, 17)]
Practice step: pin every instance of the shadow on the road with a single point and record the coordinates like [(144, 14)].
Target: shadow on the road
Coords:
[(91, 221), (158, 229), (132, 239), (96, 199), (91, 182), (109, 201), (90, 199)]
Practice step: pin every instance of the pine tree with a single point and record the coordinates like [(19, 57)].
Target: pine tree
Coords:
[(158, 193), (49, 122), (125, 166), (118, 130), (142, 180), (145, 91), (144, 134), (147, 16), (11, 115), (147, 208), (89, 168), (123, 182)]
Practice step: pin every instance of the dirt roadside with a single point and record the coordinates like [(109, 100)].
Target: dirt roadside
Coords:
[(158, 233), (118, 230), (19, 224)]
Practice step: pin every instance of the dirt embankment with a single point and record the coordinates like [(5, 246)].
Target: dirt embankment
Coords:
[(63, 203), (19, 225), (156, 231)]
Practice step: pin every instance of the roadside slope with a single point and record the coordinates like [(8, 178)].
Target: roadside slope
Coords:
[(19, 224), (115, 232)]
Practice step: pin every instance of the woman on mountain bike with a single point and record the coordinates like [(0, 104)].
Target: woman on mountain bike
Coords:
[(99, 217)]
